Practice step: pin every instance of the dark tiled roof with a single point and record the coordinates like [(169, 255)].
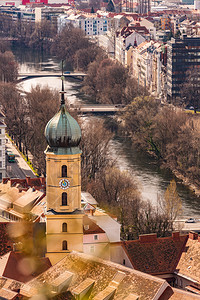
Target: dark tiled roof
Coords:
[(75, 212), (157, 256), (93, 227)]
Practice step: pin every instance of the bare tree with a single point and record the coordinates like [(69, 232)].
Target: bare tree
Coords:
[(95, 146), (172, 203), (190, 90)]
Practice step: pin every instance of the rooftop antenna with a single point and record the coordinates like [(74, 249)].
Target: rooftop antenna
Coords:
[(62, 91)]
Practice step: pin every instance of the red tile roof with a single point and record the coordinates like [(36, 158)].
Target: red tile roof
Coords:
[(14, 265), (38, 183), (93, 227), (130, 29), (154, 255), (10, 267)]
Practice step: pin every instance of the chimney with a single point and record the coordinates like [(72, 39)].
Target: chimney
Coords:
[(28, 180), (193, 235), (42, 180), (148, 238), (175, 235), (5, 180)]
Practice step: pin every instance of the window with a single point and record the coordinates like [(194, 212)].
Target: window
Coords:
[(64, 245), (0, 164), (124, 262), (181, 283), (64, 171), (64, 199), (0, 131), (91, 249), (64, 227), (96, 237), (0, 142)]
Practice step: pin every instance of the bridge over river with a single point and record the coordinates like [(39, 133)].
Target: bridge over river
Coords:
[(97, 109), (25, 76)]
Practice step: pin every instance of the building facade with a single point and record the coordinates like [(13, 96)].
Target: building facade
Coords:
[(182, 54), (92, 25), (2, 147)]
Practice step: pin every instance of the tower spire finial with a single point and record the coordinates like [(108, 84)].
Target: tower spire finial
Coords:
[(62, 91)]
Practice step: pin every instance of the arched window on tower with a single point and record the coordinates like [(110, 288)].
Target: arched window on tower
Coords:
[(64, 227), (64, 245), (64, 171), (64, 199)]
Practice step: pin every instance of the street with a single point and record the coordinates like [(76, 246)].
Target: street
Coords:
[(19, 169), (180, 224)]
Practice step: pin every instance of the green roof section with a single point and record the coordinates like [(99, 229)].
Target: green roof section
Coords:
[(63, 133)]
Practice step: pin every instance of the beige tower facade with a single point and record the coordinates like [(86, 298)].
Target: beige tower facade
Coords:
[(64, 219)]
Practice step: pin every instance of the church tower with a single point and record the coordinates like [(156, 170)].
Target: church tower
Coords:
[(64, 219)]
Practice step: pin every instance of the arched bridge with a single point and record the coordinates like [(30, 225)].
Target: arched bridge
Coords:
[(26, 76)]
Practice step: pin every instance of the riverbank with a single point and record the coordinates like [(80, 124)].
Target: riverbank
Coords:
[(168, 136), (194, 188)]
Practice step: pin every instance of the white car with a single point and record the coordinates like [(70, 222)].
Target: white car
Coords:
[(190, 220)]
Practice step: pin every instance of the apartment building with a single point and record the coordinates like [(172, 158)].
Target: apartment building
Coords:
[(147, 65), (182, 54), (91, 24), (129, 36)]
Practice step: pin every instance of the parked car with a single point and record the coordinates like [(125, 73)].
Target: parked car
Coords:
[(190, 220)]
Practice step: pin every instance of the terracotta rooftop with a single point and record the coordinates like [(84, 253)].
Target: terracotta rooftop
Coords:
[(37, 183), (9, 267), (14, 266), (176, 294), (7, 294), (189, 263), (125, 31), (155, 255), (84, 266), (93, 228)]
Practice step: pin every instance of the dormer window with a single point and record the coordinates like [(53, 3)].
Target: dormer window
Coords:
[(64, 171), (86, 227)]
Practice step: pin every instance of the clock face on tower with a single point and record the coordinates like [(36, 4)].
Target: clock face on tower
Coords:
[(64, 184)]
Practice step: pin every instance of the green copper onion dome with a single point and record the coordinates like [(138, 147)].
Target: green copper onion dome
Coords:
[(62, 132)]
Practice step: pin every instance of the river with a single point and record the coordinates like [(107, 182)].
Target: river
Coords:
[(151, 179)]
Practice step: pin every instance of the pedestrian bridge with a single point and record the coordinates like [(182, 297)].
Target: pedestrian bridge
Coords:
[(97, 108), (26, 76)]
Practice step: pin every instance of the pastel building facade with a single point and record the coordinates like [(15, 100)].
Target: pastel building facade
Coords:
[(92, 25)]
